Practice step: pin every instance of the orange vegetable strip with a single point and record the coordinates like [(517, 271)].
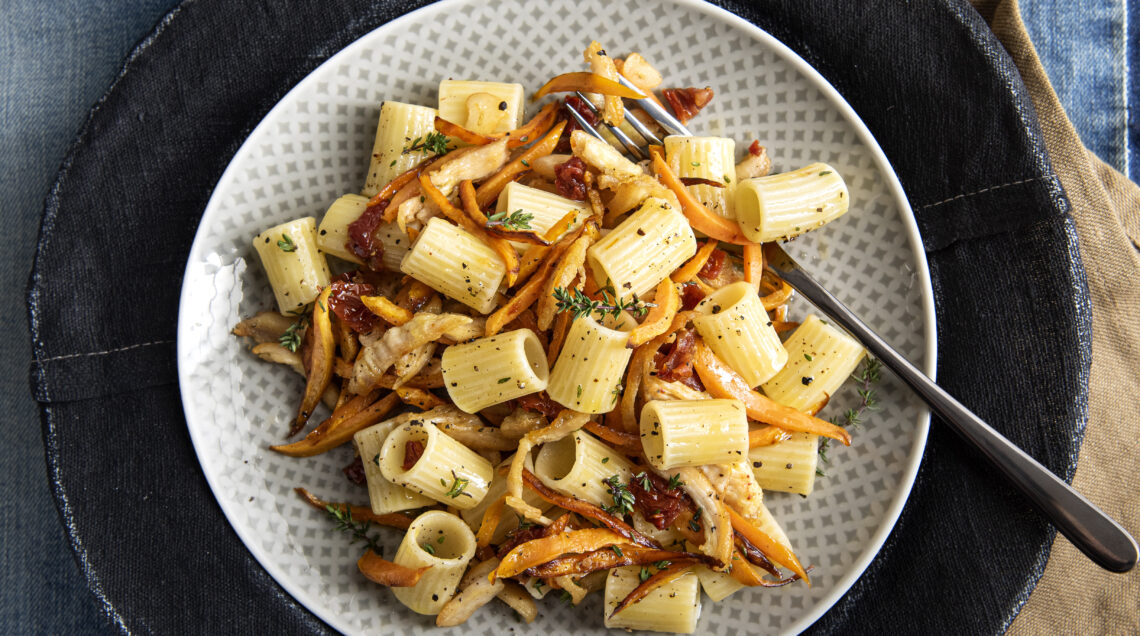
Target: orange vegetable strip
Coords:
[(388, 191), (586, 82), (742, 570), (626, 442), (722, 382), (754, 266), (699, 216), (535, 255), (419, 398), (558, 334), (766, 544), (520, 136), (688, 271), (667, 301), (380, 570), (766, 436), (323, 353), (588, 510), (459, 132), (490, 189), (504, 249), (778, 297), (358, 513), (659, 578), (389, 311), (491, 518), (529, 293), (607, 558), (325, 438), (538, 551)]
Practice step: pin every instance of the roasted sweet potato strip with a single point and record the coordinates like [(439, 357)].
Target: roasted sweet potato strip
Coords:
[(766, 544), (639, 364), (321, 368), (380, 570), (588, 510), (520, 136), (570, 267), (587, 83), (754, 266), (778, 297), (535, 552), (462, 134), (358, 513), (722, 382), (491, 517), (558, 334), (688, 271), (419, 398), (388, 311), (659, 578), (700, 217), (627, 443), (332, 433), (393, 186), (766, 436), (529, 293), (490, 189), (607, 558), (535, 256), (742, 571), (667, 301)]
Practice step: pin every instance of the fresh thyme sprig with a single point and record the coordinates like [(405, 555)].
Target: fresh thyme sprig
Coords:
[(457, 485), (867, 376), (291, 339), (286, 244), (581, 305), (359, 529), (435, 142), (623, 498), (517, 220)]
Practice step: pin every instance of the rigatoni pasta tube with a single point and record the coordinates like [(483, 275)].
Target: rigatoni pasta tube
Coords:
[(546, 208), (578, 465), (296, 268), (708, 158), (643, 249), (677, 433), (397, 132), (473, 517), (332, 235), (493, 370), (587, 375), (788, 466), (383, 495), (820, 359), (673, 607), (733, 323), (457, 107), (447, 471), (785, 205), (443, 541), (455, 263), (717, 585)]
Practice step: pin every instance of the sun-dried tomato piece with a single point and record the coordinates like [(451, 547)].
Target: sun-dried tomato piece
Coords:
[(755, 149), (572, 125), (360, 241), (541, 403), (355, 472), (659, 504), (677, 363), (570, 178), (413, 451), (712, 267), (687, 102), (691, 295), (344, 301)]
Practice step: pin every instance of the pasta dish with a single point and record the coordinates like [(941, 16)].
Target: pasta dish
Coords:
[(561, 370)]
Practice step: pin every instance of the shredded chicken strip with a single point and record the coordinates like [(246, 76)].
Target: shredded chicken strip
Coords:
[(566, 423), (377, 356), (714, 517), (411, 363), (736, 484), (520, 422), (654, 388), (602, 64)]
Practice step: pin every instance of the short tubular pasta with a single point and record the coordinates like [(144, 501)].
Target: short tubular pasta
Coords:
[(587, 376), (717, 585), (493, 370), (332, 235), (677, 433), (708, 158), (396, 244), (440, 540), (733, 323), (453, 262), (546, 208), (788, 466), (457, 107), (393, 151), (578, 464), (296, 268), (820, 358), (447, 471), (673, 607), (383, 495), (643, 249), (783, 206)]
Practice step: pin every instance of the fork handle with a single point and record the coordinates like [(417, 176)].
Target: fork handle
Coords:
[(1089, 528)]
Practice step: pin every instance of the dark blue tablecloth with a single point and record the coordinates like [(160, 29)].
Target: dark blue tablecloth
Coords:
[(966, 552)]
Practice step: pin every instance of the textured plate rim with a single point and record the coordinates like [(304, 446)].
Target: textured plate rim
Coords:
[(906, 218)]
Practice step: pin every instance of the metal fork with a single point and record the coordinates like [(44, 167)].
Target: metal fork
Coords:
[(1090, 529)]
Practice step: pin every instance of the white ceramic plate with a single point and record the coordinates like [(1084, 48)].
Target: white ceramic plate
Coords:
[(314, 146)]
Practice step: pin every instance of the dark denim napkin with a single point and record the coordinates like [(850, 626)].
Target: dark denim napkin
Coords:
[(928, 78)]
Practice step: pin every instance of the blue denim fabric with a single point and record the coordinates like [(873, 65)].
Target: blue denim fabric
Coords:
[(56, 59), (1089, 50)]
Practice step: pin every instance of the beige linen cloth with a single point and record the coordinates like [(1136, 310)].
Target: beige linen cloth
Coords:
[(1074, 595)]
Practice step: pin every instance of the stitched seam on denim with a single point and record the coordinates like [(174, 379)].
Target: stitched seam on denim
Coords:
[(1124, 53), (977, 192), (103, 353)]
